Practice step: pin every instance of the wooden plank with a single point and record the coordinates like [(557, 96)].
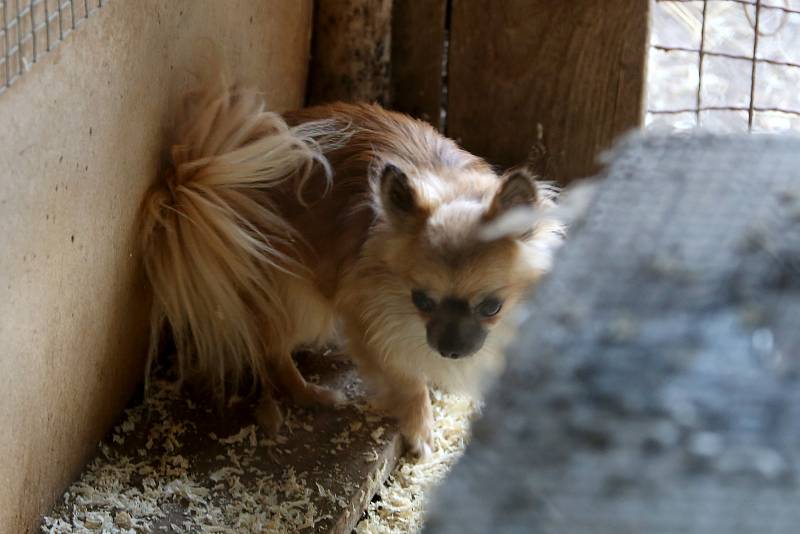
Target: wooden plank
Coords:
[(350, 51), (418, 45), (577, 68), (178, 461)]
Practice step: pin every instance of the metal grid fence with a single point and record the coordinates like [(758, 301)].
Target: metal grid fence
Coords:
[(725, 64), (31, 28)]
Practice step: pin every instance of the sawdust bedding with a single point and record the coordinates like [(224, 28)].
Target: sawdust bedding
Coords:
[(400, 505), (142, 492)]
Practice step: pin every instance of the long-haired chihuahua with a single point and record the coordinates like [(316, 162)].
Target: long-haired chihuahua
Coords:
[(346, 223)]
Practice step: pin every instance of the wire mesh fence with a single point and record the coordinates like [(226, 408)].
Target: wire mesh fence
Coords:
[(31, 28), (730, 65)]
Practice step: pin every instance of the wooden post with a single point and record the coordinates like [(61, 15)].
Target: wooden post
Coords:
[(577, 68), (350, 51), (419, 37)]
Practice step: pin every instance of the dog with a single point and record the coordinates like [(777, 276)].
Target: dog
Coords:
[(345, 223)]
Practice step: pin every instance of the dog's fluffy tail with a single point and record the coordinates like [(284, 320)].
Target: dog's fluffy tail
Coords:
[(212, 244)]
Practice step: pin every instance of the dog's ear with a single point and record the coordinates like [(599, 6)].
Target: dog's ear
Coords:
[(398, 198), (518, 190), (509, 214)]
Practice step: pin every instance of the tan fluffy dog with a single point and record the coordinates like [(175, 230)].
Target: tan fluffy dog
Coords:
[(340, 222)]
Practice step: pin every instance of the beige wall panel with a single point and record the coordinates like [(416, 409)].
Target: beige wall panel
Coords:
[(81, 135)]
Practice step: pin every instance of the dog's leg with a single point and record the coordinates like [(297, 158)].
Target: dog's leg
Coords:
[(405, 399), (402, 397), (410, 403), (302, 392), (268, 414)]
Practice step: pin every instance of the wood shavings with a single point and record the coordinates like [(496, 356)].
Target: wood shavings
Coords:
[(370, 456), (401, 505), (179, 466), (123, 520), (377, 433), (118, 496), (342, 438), (248, 432)]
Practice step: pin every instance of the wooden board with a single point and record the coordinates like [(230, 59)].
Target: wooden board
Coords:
[(418, 52), (200, 468), (576, 67)]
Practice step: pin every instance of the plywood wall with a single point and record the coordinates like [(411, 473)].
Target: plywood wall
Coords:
[(81, 136)]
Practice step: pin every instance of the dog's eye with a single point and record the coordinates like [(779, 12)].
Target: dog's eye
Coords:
[(423, 302), (489, 307)]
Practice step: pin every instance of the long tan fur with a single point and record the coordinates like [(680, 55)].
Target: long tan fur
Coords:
[(212, 245), (269, 232)]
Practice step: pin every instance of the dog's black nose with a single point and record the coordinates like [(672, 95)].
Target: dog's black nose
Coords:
[(453, 333)]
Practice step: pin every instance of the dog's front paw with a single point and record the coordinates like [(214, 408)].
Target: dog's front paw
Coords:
[(420, 446), (417, 431), (312, 395), (329, 397)]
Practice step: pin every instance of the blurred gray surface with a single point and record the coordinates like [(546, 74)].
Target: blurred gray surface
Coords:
[(654, 387)]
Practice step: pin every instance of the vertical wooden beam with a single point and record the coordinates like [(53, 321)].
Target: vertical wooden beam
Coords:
[(577, 68), (350, 51), (418, 53)]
